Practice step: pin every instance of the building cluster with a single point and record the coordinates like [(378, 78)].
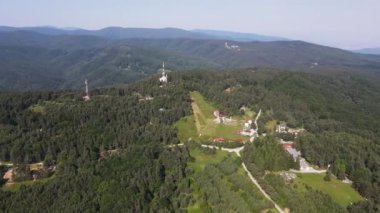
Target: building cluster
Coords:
[(35, 171), (220, 118), (282, 128), (248, 132)]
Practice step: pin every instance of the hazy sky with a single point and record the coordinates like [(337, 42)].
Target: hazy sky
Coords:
[(347, 24)]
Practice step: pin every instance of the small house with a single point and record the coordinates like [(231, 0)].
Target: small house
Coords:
[(282, 128), (219, 140)]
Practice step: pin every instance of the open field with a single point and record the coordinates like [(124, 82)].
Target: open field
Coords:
[(201, 159), (15, 186), (41, 107), (186, 128), (271, 125), (207, 127), (341, 193)]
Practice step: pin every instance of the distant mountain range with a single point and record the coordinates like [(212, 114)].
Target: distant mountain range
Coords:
[(373, 51), (150, 33), (235, 36), (42, 58)]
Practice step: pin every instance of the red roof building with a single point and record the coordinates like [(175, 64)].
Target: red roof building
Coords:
[(239, 140), (287, 146), (219, 140)]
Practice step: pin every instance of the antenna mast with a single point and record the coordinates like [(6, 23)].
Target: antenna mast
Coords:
[(87, 96)]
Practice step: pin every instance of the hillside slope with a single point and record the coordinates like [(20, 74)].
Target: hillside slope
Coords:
[(34, 61), (280, 54)]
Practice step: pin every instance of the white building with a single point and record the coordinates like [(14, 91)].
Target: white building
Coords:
[(250, 132), (248, 123), (281, 128)]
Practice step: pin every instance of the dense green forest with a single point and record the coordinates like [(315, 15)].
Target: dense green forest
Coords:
[(340, 112)]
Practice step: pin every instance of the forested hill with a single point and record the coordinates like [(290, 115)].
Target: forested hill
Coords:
[(149, 33), (294, 55), (111, 152), (34, 61)]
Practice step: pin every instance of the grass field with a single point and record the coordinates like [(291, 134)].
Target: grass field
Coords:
[(201, 159), (15, 186), (41, 107), (186, 128), (271, 125), (341, 193), (207, 127)]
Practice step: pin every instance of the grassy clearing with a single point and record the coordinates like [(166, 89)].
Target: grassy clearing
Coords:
[(341, 193), (15, 186), (37, 108), (228, 131), (271, 125), (41, 107), (186, 128), (201, 159), (207, 127), (249, 114), (206, 108)]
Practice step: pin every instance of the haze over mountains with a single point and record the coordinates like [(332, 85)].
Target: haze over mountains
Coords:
[(374, 51), (36, 58), (125, 33)]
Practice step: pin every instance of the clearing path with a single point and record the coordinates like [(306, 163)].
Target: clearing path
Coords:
[(236, 150), (257, 118), (254, 181), (197, 112)]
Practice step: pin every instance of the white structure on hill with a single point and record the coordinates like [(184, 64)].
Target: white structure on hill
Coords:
[(164, 77), (87, 96), (231, 47), (220, 118), (282, 128), (249, 132), (248, 123)]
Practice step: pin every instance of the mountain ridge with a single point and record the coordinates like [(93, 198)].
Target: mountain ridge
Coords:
[(114, 32), (35, 61)]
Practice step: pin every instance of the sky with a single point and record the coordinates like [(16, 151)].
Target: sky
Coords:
[(347, 24)]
